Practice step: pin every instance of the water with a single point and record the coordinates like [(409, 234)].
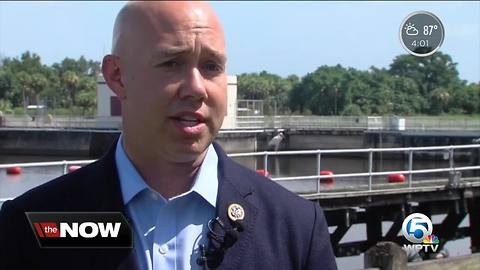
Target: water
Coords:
[(14, 185)]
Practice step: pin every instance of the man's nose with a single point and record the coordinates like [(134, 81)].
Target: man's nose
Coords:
[(194, 86)]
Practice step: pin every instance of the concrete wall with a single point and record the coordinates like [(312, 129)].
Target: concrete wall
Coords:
[(230, 119), (46, 142), (104, 117), (94, 143), (103, 97), (325, 140)]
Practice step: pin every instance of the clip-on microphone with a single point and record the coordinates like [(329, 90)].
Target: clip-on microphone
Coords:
[(219, 242)]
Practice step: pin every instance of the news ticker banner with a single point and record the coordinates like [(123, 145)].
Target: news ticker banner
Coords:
[(81, 229)]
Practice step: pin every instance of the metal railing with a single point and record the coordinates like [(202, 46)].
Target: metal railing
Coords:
[(358, 122), (370, 174), (74, 122), (64, 163), (279, 121)]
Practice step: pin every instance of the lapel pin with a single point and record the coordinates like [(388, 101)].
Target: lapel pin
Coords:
[(236, 212)]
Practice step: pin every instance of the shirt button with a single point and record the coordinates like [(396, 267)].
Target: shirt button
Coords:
[(163, 249)]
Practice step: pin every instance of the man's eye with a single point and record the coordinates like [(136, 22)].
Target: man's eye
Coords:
[(169, 64), (213, 67)]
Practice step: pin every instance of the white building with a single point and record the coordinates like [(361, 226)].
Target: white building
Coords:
[(109, 110)]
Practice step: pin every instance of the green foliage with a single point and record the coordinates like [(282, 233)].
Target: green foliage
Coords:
[(70, 84), (6, 83), (431, 72), (436, 77), (76, 77), (71, 111), (340, 91), (18, 110), (324, 91), (352, 109), (269, 87), (466, 99), (5, 106), (411, 85)]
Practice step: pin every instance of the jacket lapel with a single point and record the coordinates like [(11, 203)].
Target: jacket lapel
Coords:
[(232, 190), (106, 196)]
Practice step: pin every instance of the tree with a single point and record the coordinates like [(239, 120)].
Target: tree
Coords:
[(25, 79), (71, 83), (439, 100), (411, 85), (435, 71), (76, 76), (81, 67), (6, 84), (86, 97), (336, 90), (273, 89), (393, 94), (323, 91), (32, 85), (86, 101), (352, 109), (466, 100)]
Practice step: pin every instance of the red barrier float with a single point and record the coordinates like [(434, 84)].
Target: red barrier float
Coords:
[(14, 170), (73, 168), (396, 178), (328, 180), (263, 172)]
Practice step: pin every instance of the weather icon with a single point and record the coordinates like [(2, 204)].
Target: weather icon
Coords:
[(417, 42), (410, 29)]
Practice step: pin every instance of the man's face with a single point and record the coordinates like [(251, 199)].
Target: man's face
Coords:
[(176, 85)]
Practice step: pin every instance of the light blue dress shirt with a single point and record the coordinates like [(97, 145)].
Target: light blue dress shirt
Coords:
[(167, 232)]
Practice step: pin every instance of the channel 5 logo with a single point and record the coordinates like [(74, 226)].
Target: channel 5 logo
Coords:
[(418, 229)]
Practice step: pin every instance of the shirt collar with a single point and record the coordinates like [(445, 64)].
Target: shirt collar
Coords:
[(206, 181), (131, 182)]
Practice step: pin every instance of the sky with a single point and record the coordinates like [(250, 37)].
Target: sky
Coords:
[(280, 37)]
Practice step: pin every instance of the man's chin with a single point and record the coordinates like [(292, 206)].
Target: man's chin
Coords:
[(188, 152)]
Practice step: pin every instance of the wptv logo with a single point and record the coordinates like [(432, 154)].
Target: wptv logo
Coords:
[(418, 229), (81, 229)]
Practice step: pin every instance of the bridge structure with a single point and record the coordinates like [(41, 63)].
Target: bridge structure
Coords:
[(394, 203), (454, 196)]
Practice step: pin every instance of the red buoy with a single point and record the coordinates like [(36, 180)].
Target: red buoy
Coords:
[(73, 168), (263, 172), (396, 178), (14, 170), (328, 180)]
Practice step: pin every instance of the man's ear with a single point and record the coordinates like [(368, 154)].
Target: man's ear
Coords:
[(113, 77)]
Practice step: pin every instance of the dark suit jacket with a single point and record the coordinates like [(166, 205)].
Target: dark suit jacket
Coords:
[(281, 230)]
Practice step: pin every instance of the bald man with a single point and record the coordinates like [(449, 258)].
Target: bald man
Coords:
[(188, 204)]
